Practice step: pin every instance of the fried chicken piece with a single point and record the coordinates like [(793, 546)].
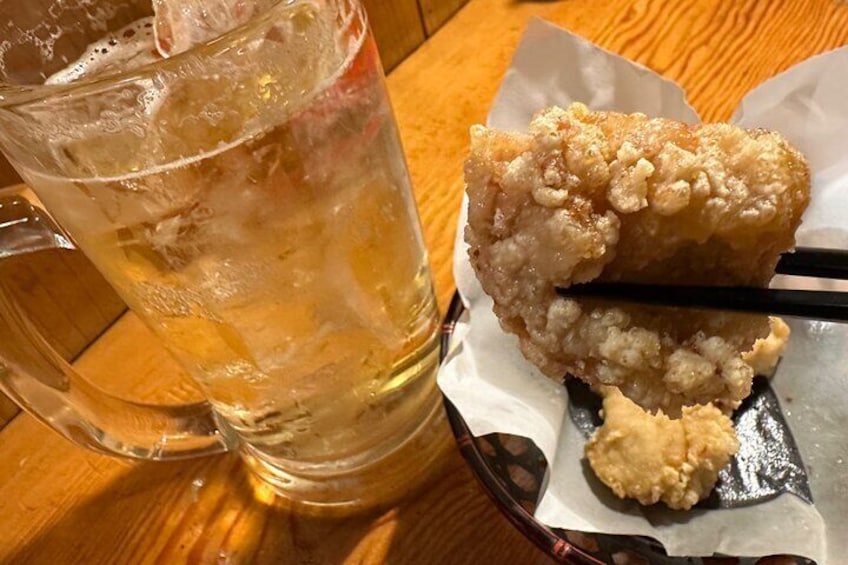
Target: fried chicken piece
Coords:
[(600, 195), (653, 458)]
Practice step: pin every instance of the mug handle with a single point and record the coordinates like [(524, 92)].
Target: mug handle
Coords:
[(39, 380)]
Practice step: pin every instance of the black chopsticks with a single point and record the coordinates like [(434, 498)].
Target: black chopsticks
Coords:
[(815, 304), (814, 262)]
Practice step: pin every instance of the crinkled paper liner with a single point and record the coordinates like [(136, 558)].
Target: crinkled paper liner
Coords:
[(497, 390)]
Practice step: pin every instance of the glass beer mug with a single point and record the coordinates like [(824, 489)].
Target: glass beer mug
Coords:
[(248, 198)]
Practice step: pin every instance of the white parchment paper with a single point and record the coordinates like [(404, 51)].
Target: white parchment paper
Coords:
[(497, 390)]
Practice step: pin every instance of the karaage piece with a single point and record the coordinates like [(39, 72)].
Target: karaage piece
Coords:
[(653, 458), (600, 195)]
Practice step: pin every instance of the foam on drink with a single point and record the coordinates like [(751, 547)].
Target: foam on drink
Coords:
[(326, 56), (175, 27), (128, 48)]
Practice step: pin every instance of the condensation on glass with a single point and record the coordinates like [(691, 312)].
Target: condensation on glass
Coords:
[(249, 199)]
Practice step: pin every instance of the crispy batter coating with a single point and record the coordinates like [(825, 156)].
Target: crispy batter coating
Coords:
[(600, 195), (653, 458), (766, 352)]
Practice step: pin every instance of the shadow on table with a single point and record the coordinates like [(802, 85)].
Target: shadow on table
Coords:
[(201, 511), (208, 511)]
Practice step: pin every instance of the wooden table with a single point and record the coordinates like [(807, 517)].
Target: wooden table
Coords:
[(59, 504)]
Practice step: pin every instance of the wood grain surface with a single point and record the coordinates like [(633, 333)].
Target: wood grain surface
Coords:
[(8, 410), (59, 504), (8, 175), (435, 13), (397, 27)]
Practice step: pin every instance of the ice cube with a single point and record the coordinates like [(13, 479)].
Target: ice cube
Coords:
[(181, 24)]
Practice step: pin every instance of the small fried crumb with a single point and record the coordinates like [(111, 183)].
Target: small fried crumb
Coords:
[(766, 352), (653, 458)]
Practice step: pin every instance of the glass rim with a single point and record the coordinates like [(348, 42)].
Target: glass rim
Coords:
[(14, 95)]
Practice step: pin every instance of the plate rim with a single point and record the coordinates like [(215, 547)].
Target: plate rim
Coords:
[(542, 536)]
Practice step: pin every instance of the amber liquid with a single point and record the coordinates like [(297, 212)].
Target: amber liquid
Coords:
[(285, 270)]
